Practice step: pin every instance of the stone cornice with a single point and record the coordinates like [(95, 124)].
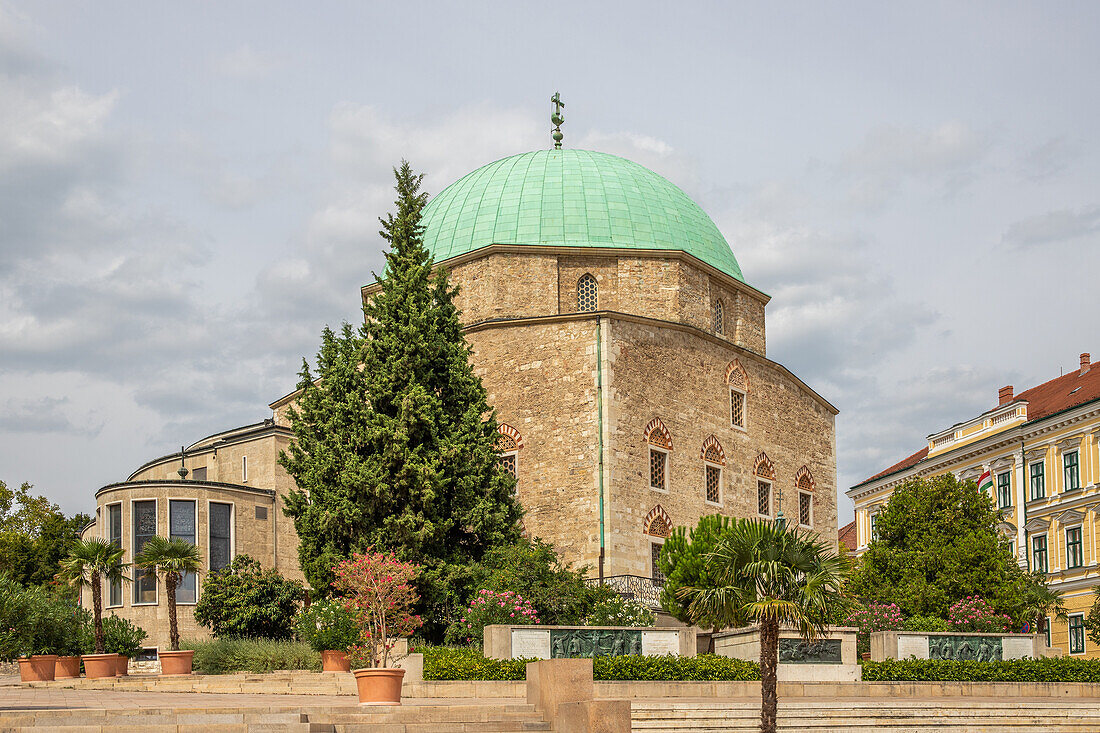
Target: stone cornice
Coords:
[(184, 484)]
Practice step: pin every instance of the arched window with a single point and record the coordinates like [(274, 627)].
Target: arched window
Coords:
[(738, 381), (714, 458), (660, 445), (719, 317), (587, 293), (509, 444), (804, 481), (764, 470), (658, 526)]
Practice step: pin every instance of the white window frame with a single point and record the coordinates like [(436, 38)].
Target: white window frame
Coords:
[(771, 497), (721, 475), (744, 426), (1069, 635), (232, 530), (649, 467), (244, 469), (168, 533), (515, 461), (1065, 535), (1065, 485), (1031, 481), (122, 540), (810, 495), (133, 535)]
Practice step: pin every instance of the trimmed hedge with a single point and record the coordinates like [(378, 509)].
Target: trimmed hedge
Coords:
[(1054, 669), (467, 663), (228, 655)]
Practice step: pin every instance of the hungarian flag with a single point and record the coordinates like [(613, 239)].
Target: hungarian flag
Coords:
[(985, 483)]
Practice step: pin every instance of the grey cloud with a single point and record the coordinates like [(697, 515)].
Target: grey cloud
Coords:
[(1048, 159), (1054, 227), (41, 415)]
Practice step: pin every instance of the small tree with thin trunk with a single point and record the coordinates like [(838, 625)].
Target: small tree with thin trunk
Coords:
[(89, 563), (171, 558), (760, 572)]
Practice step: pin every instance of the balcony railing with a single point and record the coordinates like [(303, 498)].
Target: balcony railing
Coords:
[(646, 591)]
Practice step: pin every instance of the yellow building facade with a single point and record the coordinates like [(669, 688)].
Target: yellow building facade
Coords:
[(1042, 448)]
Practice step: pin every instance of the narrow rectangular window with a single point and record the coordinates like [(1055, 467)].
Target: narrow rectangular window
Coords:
[(655, 568), (805, 504), (145, 527), (714, 483), (1046, 629), (198, 474), (1070, 469), (737, 409), (508, 463), (244, 469), (1004, 490), (658, 477), (181, 526), (1039, 553), (1038, 481), (874, 526), (763, 498), (221, 535), (1077, 634), (114, 535), (1073, 548)]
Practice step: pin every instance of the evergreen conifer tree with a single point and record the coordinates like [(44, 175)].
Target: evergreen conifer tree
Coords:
[(396, 445)]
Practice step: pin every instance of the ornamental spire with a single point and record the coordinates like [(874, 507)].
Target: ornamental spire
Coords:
[(556, 118)]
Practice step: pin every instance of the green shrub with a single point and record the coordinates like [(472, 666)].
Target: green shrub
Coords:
[(926, 623), (121, 636), (327, 625), (1054, 669), (467, 663), (226, 655), (670, 668), (243, 600), (618, 611), (38, 620)]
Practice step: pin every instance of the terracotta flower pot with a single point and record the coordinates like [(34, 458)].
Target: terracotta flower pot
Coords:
[(175, 662), (379, 685), (99, 666), (66, 668), (37, 668), (335, 661), (122, 665)]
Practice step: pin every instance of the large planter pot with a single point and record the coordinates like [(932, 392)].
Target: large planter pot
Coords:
[(66, 668), (122, 665), (335, 661), (99, 666), (379, 685), (38, 668), (176, 662)]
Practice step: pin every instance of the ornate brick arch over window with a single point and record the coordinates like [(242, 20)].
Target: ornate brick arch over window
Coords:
[(738, 381), (587, 293), (719, 317), (657, 523), (714, 458), (764, 470), (510, 442), (804, 483), (660, 445), (712, 451), (804, 480), (763, 466)]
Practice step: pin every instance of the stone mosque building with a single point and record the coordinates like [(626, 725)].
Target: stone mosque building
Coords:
[(624, 353)]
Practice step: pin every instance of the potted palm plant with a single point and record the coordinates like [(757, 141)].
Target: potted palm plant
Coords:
[(377, 590), (329, 628), (89, 563), (171, 558)]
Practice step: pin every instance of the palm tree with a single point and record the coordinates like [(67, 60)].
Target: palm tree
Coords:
[(771, 576), (172, 558), (89, 563)]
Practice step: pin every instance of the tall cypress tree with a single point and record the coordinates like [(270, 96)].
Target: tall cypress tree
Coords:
[(396, 443)]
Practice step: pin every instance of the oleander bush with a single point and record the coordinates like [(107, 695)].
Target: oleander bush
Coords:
[(467, 663), (1054, 669), (227, 655)]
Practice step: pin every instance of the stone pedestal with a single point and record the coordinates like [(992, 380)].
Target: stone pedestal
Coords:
[(829, 658)]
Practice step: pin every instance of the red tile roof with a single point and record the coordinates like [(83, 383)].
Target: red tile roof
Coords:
[(1049, 398), (846, 535)]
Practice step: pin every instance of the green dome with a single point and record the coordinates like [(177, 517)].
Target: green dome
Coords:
[(572, 198)]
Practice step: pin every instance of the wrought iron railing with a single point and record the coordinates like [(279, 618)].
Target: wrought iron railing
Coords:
[(646, 591)]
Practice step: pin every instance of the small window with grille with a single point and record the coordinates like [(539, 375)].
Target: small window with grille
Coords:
[(658, 469), (508, 463), (719, 317), (587, 294), (805, 509), (763, 498), (737, 409), (654, 565), (714, 484)]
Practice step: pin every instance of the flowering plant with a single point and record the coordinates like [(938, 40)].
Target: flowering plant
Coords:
[(974, 613), (377, 590), (619, 611), (494, 607), (873, 617), (328, 625)]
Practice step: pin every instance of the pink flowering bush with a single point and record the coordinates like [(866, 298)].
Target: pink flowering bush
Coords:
[(492, 607), (873, 617), (377, 590), (974, 613)]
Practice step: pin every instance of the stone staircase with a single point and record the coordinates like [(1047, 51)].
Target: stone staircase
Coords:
[(942, 715)]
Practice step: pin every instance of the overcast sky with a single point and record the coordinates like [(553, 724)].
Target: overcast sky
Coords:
[(190, 191)]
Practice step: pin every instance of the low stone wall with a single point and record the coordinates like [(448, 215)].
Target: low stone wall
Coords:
[(831, 658), (977, 646), (567, 642)]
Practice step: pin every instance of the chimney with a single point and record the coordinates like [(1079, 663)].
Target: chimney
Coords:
[(1085, 364), (1005, 395)]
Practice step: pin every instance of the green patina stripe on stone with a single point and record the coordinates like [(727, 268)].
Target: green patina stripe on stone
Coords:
[(572, 198)]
